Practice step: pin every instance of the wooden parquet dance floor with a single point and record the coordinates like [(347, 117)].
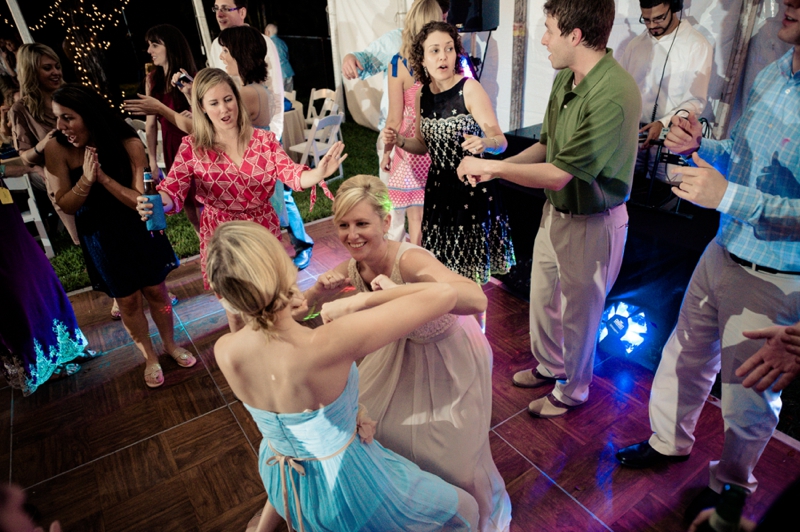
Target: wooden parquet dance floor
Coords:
[(101, 452)]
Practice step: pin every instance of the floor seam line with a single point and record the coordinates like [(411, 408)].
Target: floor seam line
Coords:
[(548, 477), (206, 366), (11, 438), (508, 419), (242, 428), (125, 447)]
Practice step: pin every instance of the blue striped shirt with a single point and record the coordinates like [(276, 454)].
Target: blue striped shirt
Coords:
[(760, 220), (375, 58)]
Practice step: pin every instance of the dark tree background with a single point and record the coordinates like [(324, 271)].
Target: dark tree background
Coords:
[(302, 24)]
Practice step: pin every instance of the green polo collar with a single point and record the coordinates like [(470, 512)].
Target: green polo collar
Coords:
[(593, 77)]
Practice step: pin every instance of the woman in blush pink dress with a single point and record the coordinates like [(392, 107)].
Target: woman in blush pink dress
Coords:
[(408, 172)]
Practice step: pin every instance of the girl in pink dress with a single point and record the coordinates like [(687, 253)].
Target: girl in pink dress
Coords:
[(234, 165), (408, 172)]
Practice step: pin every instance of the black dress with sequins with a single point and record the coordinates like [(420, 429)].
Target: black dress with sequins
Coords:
[(465, 227)]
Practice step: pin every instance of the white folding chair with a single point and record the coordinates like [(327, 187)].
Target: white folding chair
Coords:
[(290, 95), (315, 148), (329, 97), (32, 214), (334, 109)]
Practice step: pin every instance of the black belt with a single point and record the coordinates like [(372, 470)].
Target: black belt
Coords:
[(565, 211), (757, 268)]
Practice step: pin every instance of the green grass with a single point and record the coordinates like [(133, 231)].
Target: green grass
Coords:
[(362, 159)]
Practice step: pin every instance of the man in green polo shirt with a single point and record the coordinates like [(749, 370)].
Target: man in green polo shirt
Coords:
[(584, 161)]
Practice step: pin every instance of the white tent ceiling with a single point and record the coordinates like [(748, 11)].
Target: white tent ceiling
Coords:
[(361, 21)]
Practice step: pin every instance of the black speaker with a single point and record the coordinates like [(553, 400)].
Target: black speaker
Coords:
[(474, 15)]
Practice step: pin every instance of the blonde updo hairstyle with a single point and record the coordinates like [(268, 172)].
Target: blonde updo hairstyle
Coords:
[(362, 188), (248, 267)]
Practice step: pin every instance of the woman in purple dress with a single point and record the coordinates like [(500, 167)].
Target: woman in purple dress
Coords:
[(39, 334)]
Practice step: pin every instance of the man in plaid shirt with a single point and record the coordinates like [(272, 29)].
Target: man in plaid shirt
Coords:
[(748, 277)]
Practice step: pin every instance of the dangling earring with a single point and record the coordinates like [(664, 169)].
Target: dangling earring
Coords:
[(386, 236), (426, 71)]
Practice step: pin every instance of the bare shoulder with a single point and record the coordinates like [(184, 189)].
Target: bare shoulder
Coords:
[(473, 90), (222, 348), (57, 154), (419, 265), (416, 257), (134, 146)]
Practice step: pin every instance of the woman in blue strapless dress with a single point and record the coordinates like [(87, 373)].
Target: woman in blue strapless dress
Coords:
[(320, 466)]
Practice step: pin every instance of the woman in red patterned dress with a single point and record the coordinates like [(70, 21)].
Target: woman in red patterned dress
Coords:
[(235, 166)]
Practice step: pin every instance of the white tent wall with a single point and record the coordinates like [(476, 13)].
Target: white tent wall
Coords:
[(362, 21), (715, 19), (359, 22)]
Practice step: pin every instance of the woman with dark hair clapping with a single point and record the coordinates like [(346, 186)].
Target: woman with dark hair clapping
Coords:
[(98, 164)]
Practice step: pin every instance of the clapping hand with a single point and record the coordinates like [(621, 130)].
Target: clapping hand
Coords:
[(90, 165)]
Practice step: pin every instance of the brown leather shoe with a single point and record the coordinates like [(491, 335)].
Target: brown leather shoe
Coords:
[(548, 406)]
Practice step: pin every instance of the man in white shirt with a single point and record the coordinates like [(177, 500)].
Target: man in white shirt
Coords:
[(671, 63), (230, 14)]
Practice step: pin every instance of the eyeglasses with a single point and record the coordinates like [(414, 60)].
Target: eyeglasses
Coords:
[(655, 20), (214, 9)]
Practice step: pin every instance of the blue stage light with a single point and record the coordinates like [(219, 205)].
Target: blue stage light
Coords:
[(622, 324)]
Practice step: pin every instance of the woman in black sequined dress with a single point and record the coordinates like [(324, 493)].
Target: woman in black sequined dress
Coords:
[(466, 228)]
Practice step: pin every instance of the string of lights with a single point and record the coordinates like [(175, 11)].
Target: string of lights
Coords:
[(84, 40), (91, 11)]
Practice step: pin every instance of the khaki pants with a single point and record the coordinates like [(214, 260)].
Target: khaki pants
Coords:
[(722, 300), (576, 260)]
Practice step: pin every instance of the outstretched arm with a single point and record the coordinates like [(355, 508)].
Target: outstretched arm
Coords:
[(358, 325), (419, 266)]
